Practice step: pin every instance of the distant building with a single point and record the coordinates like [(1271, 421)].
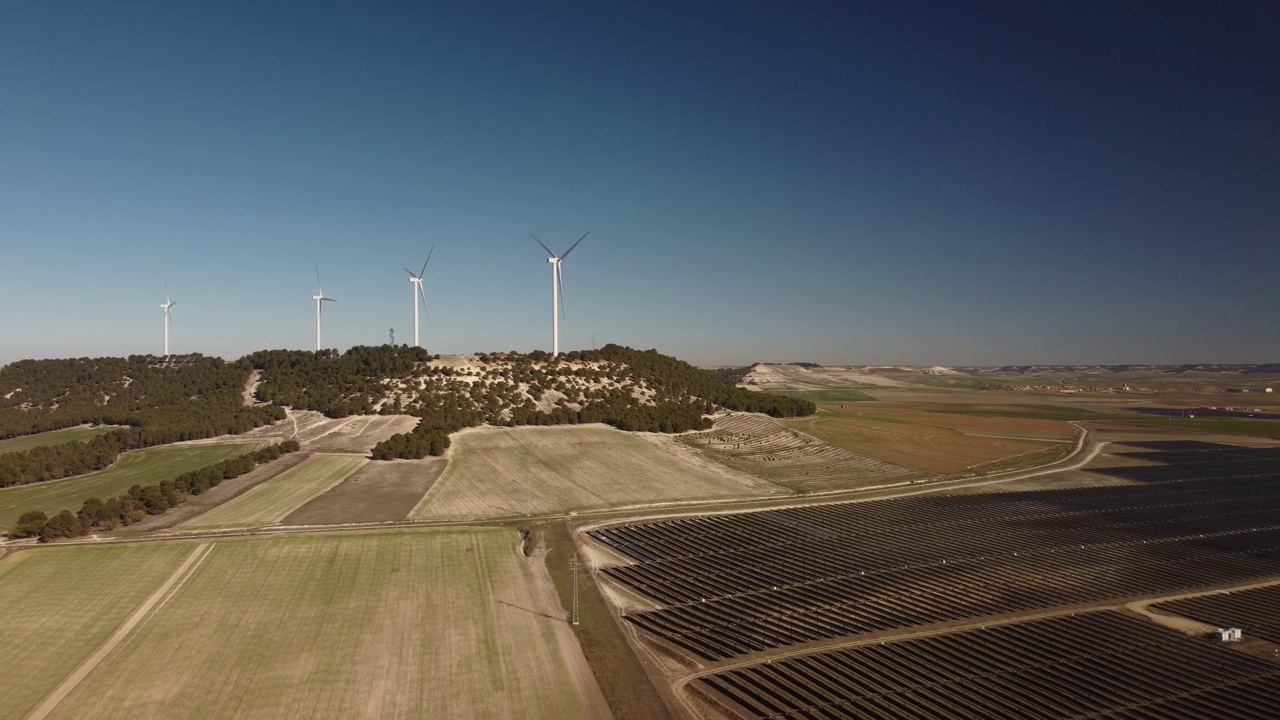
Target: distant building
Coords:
[(1228, 635)]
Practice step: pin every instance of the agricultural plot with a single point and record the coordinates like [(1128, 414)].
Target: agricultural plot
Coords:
[(519, 471), (139, 467), (353, 434), (62, 603), (53, 437), (762, 447), (273, 500), (1255, 611), (420, 624), (1099, 664), (931, 444), (732, 584)]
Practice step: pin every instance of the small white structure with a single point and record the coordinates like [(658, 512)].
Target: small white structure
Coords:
[(1228, 635)]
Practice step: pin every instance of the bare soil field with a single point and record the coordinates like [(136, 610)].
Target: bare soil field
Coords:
[(381, 491), (273, 500), (317, 433), (411, 624), (62, 603), (510, 472), (941, 443), (763, 447)]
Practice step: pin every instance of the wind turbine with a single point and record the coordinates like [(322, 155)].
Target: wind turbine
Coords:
[(557, 289), (165, 307), (319, 298), (416, 281)]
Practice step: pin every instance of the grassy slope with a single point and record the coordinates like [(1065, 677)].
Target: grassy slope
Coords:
[(141, 467), (62, 603), (271, 501), (53, 437), (518, 471), (419, 624)]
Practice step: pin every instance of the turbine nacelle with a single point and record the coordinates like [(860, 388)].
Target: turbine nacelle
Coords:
[(557, 288)]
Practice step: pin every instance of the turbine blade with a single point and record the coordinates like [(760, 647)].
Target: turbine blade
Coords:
[(173, 303), (571, 247), (422, 294), (560, 280), (544, 246), (424, 265), (410, 273)]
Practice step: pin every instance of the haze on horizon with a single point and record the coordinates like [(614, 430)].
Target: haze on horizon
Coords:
[(925, 183)]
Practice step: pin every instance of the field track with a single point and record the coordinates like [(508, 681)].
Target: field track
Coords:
[(521, 471), (384, 625), (273, 500), (62, 603), (141, 467)]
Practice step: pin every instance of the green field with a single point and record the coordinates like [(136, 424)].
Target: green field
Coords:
[(62, 603), (141, 467), (274, 499), (420, 624), (837, 395), (547, 470), (53, 437)]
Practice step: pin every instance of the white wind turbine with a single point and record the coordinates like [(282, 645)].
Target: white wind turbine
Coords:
[(557, 289), (319, 298), (416, 281), (165, 307)]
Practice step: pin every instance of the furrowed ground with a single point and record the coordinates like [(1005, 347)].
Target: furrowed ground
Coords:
[(544, 470), (53, 437), (140, 467), (947, 444), (272, 501), (62, 603), (386, 625)]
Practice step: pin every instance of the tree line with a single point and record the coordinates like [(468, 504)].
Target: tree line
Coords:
[(142, 500), (186, 398)]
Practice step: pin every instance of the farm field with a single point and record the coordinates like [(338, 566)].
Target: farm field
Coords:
[(1085, 665), (273, 500), (537, 470), (141, 467), (763, 447), (53, 437), (383, 491), (1204, 515), (62, 603), (353, 434), (946, 444), (380, 625)]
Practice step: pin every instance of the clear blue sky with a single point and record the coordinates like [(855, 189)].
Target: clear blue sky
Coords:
[(907, 182)]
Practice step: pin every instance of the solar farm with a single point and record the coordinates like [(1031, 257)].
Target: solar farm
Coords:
[(1099, 664), (736, 590)]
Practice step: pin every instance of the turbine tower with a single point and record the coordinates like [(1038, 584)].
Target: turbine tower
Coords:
[(416, 282), (557, 289), (319, 298), (165, 307)]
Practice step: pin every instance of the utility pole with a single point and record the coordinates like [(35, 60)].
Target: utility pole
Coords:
[(574, 565)]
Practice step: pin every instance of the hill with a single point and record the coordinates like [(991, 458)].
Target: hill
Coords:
[(629, 389)]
